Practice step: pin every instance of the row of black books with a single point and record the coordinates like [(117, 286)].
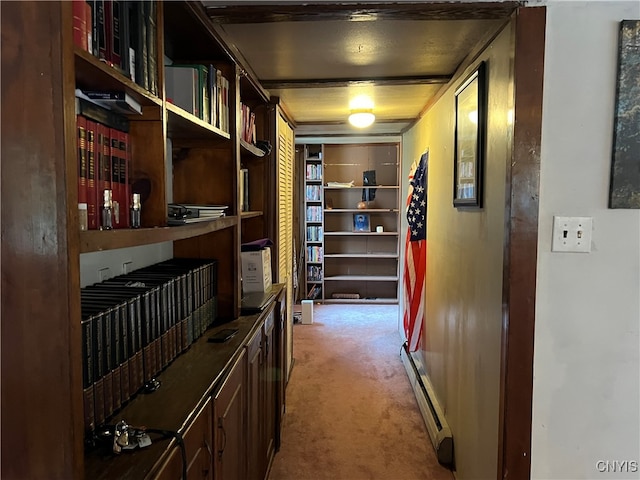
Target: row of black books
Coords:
[(135, 325), (180, 214), (123, 34)]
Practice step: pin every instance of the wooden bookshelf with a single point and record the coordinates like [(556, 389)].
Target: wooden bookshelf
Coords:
[(42, 248), (365, 263)]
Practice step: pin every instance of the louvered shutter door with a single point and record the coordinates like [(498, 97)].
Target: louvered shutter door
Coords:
[(285, 217)]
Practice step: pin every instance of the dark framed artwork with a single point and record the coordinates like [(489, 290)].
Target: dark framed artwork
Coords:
[(361, 222), (624, 184), (471, 120)]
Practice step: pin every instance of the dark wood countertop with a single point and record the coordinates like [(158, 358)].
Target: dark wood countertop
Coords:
[(185, 385)]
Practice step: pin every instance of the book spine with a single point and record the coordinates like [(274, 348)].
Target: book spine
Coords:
[(101, 30), (115, 40), (79, 24), (92, 195), (135, 331), (104, 95), (124, 353), (132, 38), (143, 22), (118, 161), (101, 115), (103, 180), (152, 54), (147, 340), (115, 358), (108, 33), (88, 18), (81, 123), (87, 375), (219, 123), (124, 38), (98, 386), (125, 189), (211, 87)]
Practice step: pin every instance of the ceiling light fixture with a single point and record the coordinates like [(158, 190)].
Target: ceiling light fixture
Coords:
[(361, 118)]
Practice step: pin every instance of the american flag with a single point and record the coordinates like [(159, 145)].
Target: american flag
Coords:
[(415, 262)]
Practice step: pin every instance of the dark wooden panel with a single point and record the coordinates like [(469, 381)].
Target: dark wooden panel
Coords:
[(205, 175), (223, 246), (147, 163), (229, 418), (520, 258), (41, 369), (341, 11)]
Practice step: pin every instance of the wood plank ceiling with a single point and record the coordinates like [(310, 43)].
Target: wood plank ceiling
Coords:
[(318, 57)]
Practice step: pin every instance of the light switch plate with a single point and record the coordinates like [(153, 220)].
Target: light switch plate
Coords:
[(572, 234)]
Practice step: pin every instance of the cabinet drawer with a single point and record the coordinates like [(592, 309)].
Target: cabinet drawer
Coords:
[(197, 442)]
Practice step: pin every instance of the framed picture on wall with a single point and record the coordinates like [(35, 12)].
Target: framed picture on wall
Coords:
[(470, 126), (361, 222)]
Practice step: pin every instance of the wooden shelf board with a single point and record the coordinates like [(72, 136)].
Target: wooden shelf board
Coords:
[(182, 124), (93, 74), (342, 234), (360, 210), (360, 255), (358, 187), (251, 149), (246, 215), (362, 278), (99, 240)]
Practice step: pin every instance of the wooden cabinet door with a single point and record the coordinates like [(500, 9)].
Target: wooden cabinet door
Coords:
[(255, 408), (269, 386), (229, 424), (197, 440)]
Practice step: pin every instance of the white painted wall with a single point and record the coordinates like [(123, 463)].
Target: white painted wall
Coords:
[(139, 257), (586, 399)]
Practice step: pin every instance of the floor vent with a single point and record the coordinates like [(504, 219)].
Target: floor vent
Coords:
[(432, 414)]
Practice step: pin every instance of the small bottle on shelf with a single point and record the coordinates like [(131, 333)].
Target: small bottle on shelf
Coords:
[(83, 216), (107, 211), (135, 211)]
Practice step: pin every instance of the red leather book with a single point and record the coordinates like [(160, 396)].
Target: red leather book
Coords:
[(79, 24), (81, 125), (92, 167), (88, 18), (116, 187), (125, 162), (104, 167), (114, 31)]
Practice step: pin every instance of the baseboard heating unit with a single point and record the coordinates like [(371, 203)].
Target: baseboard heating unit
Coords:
[(432, 414)]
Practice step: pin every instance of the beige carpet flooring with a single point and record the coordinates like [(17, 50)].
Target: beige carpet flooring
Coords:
[(351, 413)]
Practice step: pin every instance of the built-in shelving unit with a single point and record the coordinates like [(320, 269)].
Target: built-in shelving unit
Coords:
[(314, 229), (175, 157), (359, 261)]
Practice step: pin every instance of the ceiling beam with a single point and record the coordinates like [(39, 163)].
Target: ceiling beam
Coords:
[(250, 12), (346, 82)]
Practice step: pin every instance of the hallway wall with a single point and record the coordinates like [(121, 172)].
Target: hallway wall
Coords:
[(463, 308), (586, 365)]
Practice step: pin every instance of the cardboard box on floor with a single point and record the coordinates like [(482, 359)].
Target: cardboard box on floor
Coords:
[(256, 270)]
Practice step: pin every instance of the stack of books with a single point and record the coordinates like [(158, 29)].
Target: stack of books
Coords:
[(180, 214)]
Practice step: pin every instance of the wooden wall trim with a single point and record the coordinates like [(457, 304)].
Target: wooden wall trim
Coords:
[(42, 415), (520, 255)]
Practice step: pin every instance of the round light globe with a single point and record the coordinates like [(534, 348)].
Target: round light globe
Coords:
[(361, 118)]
